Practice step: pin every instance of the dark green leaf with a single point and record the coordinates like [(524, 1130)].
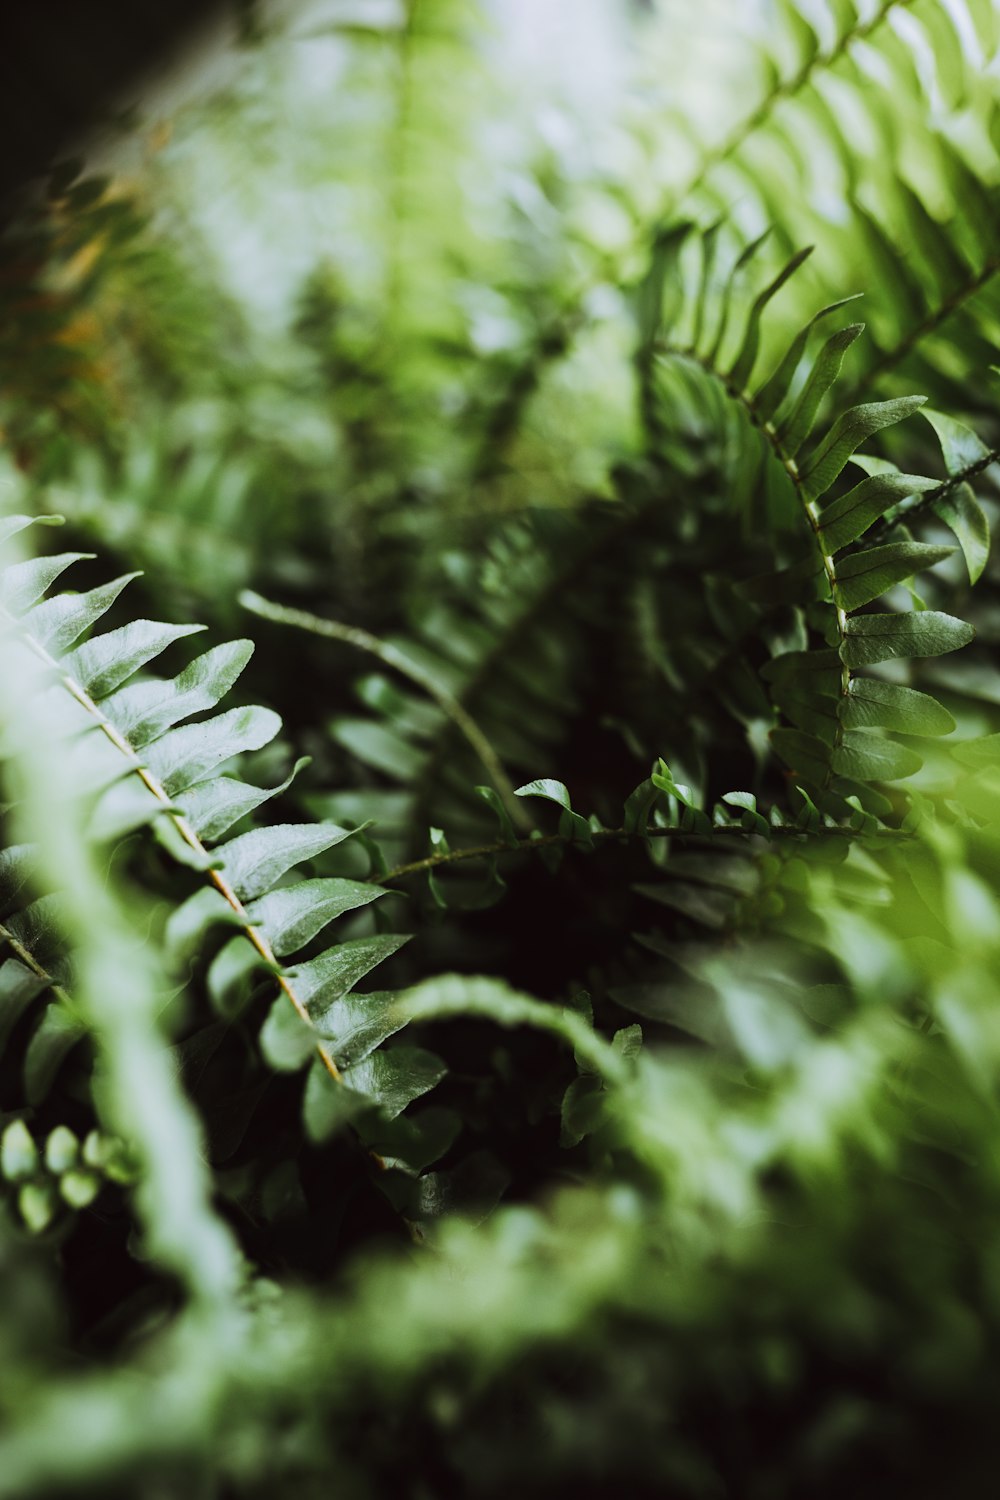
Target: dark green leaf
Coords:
[(355, 1025), (881, 637), (255, 861), (286, 1040), (864, 576), (866, 755), (51, 1042), (847, 518), (323, 980), (292, 916), (870, 703), (794, 431), (961, 511), (771, 395), (960, 446), (804, 754), (848, 433), (742, 367)]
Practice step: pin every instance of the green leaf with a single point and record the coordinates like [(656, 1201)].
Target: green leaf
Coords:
[(751, 819), (102, 664), (185, 756), (649, 299), (325, 979), (189, 924), (773, 392), (292, 916), (711, 907), (143, 711), (379, 747), (414, 1142), (286, 1040), (870, 703), (810, 671), (552, 791), (51, 1042), (214, 806), (848, 517), (57, 623), (79, 1188), (742, 260), (233, 975), (804, 754), (961, 511), (881, 637), (121, 807), (495, 802), (571, 824), (355, 1025), (867, 755), (37, 1204), (961, 448), (709, 245), (982, 751), (797, 427), (816, 713), (742, 367), (387, 1081), (254, 862), (849, 431), (394, 1077), (864, 576), (18, 987), (11, 525), (638, 806), (22, 584), (17, 864)]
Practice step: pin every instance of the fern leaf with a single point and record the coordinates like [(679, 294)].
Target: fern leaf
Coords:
[(864, 576), (850, 430), (843, 520), (883, 637), (133, 740), (793, 432)]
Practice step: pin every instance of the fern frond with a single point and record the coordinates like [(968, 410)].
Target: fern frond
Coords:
[(143, 765), (834, 748)]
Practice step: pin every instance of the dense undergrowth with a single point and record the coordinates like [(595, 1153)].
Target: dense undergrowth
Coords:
[(499, 912)]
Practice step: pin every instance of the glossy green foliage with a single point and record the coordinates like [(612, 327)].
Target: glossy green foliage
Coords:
[(547, 1044)]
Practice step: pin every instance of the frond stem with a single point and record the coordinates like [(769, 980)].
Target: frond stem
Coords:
[(607, 835), (363, 640), (925, 501)]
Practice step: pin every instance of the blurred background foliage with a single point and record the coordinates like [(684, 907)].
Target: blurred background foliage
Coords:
[(429, 319)]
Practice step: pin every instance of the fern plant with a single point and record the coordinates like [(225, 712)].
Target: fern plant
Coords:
[(634, 621)]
